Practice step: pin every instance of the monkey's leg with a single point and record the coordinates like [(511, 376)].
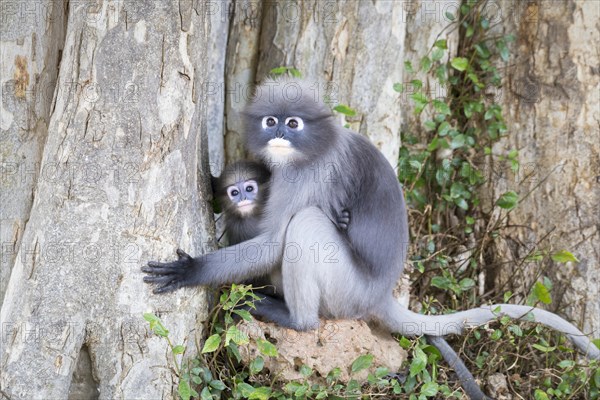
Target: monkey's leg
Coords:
[(318, 272)]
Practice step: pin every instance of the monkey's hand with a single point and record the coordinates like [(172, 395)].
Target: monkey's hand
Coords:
[(343, 220), (172, 275)]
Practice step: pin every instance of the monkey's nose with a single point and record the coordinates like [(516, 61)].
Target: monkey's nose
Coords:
[(279, 134)]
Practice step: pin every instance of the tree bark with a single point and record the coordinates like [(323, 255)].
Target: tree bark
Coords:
[(119, 187), (355, 46), (32, 40), (551, 103)]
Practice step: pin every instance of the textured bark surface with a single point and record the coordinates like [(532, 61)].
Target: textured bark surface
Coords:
[(353, 49), (120, 187), (242, 54), (551, 98), (32, 38)]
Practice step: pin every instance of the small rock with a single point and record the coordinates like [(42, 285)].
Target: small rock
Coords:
[(335, 344)]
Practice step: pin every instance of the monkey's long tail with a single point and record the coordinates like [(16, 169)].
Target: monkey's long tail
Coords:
[(401, 320), (464, 375)]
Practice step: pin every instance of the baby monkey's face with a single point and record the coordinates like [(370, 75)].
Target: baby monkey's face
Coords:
[(243, 196)]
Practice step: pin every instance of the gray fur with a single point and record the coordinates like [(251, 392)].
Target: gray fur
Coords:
[(300, 210)]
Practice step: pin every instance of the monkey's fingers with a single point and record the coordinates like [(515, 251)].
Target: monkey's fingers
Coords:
[(183, 255), (168, 288), (160, 269)]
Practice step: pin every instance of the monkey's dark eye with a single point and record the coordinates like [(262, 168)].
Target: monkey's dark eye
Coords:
[(295, 123), (235, 192), (269, 122), (251, 186)]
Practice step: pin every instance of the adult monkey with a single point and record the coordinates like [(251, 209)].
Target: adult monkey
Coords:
[(242, 190), (295, 133)]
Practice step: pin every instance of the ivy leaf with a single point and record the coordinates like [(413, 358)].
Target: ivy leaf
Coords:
[(184, 389), (564, 256), (261, 393), (212, 343), (419, 362), (238, 337), (441, 44), (362, 362), (459, 63), (466, 283), (425, 64), (217, 384), (398, 87), (541, 293), (441, 107), (344, 109), (408, 67), (429, 389), (257, 365), (508, 200), (450, 16), (266, 348), (540, 395), (178, 349)]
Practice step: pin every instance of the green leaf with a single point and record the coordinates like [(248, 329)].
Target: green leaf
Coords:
[(217, 384), (516, 330), (443, 129), (429, 389), (564, 364), (459, 63), (419, 362), (261, 393), (462, 203), (344, 109), (257, 365), (596, 342), (564, 256), (246, 316), (179, 349), (398, 87), (466, 283), (278, 71), (458, 141), (206, 394), (450, 16), (441, 107), (425, 64), (441, 44), (305, 371), (184, 389), (540, 395), (244, 389), (238, 337), (508, 200), (156, 325), (362, 362), (544, 349), (266, 348), (542, 293), (408, 67), (212, 343), (430, 125)]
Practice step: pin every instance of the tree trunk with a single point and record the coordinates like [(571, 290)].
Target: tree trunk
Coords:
[(551, 101), (32, 40), (119, 187)]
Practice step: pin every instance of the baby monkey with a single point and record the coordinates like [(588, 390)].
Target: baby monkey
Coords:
[(242, 191)]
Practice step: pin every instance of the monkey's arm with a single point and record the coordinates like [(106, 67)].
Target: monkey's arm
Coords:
[(252, 258)]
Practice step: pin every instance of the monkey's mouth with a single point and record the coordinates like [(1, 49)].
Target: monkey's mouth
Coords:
[(245, 206), (279, 147)]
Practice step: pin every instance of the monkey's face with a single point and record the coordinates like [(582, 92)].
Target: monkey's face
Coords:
[(287, 122), (243, 196)]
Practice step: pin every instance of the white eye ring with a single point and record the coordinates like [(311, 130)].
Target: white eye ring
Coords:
[(231, 190), (265, 119), (298, 120)]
